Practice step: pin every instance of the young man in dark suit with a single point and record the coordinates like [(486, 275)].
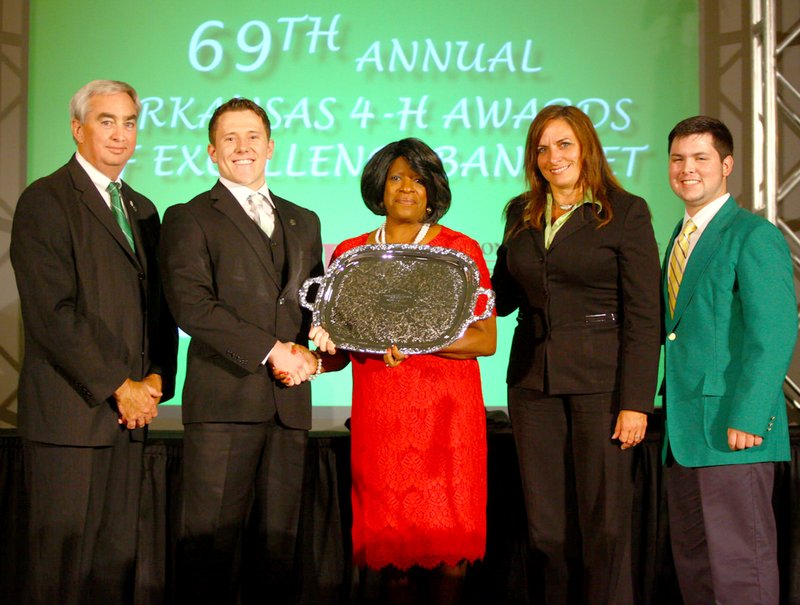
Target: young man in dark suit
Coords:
[(233, 260), (731, 326), (100, 351)]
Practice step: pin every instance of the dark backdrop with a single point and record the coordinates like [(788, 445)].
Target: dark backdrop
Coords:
[(506, 576)]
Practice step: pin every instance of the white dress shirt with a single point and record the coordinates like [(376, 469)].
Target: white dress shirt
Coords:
[(242, 192), (100, 181), (701, 221)]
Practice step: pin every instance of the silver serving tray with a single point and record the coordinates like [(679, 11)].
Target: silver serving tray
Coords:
[(420, 298)]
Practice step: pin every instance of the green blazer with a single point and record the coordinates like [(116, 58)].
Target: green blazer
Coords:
[(729, 344)]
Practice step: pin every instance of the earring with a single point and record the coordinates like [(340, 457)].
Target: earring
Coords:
[(428, 210)]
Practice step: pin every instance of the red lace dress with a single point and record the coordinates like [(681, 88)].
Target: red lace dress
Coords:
[(419, 451)]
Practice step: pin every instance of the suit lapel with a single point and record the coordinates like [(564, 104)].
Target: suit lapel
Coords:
[(537, 240), (705, 249), (575, 223), (135, 220), (91, 198), (291, 237), (222, 199), (670, 321)]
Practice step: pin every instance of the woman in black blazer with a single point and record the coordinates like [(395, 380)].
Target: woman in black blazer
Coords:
[(579, 263)]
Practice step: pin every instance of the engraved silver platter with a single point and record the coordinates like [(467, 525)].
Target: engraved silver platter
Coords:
[(420, 298)]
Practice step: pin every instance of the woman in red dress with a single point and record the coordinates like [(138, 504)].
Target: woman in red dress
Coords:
[(418, 423)]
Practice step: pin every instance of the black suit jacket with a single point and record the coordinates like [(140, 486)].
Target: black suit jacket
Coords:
[(588, 308), (226, 294), (93, 311)]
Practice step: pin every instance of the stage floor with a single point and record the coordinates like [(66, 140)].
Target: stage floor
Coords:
[(505, 576)]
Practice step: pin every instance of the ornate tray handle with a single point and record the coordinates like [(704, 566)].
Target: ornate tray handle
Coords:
[(303, 292), (487, 312)]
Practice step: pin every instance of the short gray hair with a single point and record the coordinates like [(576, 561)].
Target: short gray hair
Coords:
[(79, 105)]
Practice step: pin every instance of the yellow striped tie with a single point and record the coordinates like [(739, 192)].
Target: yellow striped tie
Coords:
[(677, 263)]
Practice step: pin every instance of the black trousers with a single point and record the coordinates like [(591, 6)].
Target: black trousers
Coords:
[(722, 530), (83, 517), (578, 488), (242, 493)]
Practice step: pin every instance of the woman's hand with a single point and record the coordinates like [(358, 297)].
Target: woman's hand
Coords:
[(393, 357), (631, 428), (322, 340)]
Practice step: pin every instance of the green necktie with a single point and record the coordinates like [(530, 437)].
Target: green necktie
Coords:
[(119, 213), (677, 263)]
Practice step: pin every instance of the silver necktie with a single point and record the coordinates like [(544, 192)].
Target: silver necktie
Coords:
[(261, 212)]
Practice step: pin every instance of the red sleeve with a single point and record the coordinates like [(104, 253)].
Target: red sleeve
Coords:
[(348, 244), (470, 247)]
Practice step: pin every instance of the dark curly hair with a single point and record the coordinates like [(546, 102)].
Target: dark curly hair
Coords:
[(423, 160)]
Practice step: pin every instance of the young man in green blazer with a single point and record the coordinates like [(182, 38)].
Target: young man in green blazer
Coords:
[(731, 326)]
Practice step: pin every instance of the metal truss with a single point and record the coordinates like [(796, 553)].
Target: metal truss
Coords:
[(773, 96), (13, 133)]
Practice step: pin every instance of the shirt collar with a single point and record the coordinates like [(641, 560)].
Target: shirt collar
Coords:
[(242, 192), (708, 212), (588, 198), (100, 180), (552, 227)]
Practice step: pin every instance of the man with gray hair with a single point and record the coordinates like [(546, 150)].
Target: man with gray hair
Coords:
[(100, 352)]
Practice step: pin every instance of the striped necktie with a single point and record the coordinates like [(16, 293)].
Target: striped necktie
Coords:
[(119, 213), (262, 213), (677, 263)]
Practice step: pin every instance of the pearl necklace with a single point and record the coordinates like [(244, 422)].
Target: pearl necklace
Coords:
[(380, 234)]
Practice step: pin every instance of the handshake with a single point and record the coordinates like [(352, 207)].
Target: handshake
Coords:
[(293, 364)]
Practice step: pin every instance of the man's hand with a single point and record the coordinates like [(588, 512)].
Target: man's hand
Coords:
[(154, 382), (630, 429), (291, 363), (739, 440), (137, 401)]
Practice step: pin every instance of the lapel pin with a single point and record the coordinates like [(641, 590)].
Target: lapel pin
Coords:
[(132, 205), (292, 222)]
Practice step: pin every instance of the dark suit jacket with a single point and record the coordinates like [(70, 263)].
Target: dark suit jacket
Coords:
[(93, 312), (588, 308), (226, 294), (730, 342)]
